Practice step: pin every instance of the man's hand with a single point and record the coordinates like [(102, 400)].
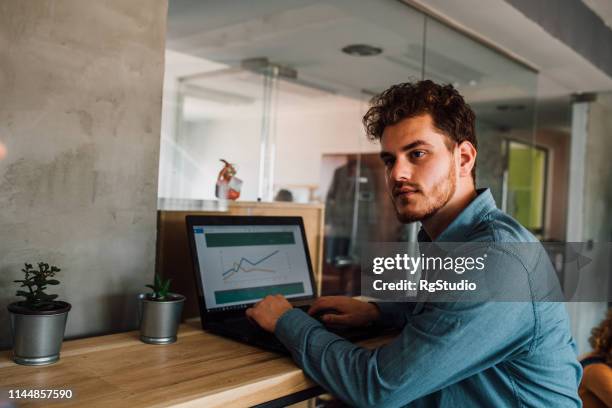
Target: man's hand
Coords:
[(267, 311), (345, 311)]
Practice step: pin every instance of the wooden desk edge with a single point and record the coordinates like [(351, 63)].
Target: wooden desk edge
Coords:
[(252, 392)]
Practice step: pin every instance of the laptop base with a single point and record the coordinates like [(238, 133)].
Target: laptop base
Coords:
[(243, 330)]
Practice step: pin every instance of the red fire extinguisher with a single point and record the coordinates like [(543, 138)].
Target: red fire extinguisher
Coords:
[(228, 185)]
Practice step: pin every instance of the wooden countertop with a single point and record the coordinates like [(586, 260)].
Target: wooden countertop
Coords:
[(200, 369)]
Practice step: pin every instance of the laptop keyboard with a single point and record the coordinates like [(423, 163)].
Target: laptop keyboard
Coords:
[(243, 329)]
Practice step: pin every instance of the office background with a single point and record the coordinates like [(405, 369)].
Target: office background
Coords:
[(113, 110)]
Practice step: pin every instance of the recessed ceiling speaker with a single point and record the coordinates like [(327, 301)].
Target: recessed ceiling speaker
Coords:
[(361, 50)]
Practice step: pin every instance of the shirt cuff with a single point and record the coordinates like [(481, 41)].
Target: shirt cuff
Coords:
[(292, 325), (388, 314)]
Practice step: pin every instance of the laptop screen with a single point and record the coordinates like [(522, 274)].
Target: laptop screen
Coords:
[(242, 264)]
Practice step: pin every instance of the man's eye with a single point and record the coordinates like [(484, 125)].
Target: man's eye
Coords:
[(417, 154), (388, 163)]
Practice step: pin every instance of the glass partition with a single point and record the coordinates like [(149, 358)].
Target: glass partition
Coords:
[(279, 89), (526, 184), (219, 116), (501, 92)]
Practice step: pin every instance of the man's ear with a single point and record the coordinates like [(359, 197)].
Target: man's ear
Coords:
[(467, 158)]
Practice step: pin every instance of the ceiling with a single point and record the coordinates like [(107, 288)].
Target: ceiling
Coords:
[(603, 8), (308, 36), (562, 71)]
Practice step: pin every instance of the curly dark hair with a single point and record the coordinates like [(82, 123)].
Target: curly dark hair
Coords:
[(601, 338), (450, 114)]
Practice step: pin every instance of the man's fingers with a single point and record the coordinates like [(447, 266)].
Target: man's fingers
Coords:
[(336, 319), (320, 304), (328, 302), (250, 315)]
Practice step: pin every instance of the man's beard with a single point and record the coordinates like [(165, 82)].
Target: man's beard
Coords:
[(440, 195)]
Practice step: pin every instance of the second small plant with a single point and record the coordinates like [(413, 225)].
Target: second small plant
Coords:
[(160, 313), (160, 288)]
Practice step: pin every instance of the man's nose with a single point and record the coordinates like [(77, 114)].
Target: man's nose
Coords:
[(401, 171)]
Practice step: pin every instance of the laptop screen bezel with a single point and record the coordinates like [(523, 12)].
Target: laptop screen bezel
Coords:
[(233, 220)]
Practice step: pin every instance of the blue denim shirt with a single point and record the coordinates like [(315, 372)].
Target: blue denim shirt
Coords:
[(454, 354)]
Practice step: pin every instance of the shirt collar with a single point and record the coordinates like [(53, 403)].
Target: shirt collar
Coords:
[(459, 229)]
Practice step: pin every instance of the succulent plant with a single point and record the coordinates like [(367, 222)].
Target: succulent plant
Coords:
[(160, 288), (36, 282)]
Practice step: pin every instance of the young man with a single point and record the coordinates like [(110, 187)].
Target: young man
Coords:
[(449, 354)]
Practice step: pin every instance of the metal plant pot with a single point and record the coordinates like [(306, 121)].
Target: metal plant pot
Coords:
[(159, 319), (37, 334)]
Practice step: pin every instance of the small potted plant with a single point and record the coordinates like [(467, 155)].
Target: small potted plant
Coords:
[(160, 313), (38, 322)]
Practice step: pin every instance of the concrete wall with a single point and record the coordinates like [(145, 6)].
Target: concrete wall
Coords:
[(490, 160), (598, 189), (80, 106)]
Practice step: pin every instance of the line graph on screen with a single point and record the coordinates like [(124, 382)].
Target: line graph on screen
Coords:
[(238, 266)]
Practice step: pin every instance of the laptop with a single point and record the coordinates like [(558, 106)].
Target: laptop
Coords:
[(239, 260)]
